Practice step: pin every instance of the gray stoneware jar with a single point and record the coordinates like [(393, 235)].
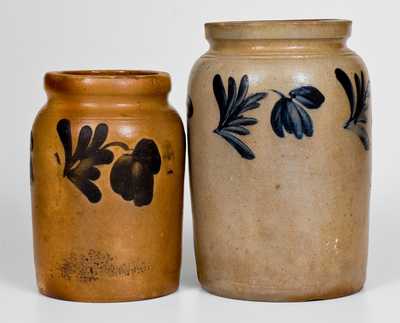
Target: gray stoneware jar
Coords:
[(280, 160)]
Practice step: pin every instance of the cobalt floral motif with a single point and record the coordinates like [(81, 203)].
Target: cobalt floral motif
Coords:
[(358, 102), (132, 175), (232, 105), (81, 165), (189, 105), (289, 114)]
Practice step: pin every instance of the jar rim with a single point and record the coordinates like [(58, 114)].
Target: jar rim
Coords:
[(108, 73), (279, 29), (108, 82)]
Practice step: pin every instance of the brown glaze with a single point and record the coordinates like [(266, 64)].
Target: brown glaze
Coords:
[(281, 214), (107, 163)]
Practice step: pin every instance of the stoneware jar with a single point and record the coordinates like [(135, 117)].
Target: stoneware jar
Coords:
[(279, 131), (107, 168)]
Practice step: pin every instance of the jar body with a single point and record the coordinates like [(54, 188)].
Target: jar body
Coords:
[(107, 191), (283, 217)]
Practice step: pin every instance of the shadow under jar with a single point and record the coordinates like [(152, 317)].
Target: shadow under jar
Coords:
[(279, 131), (107, 168)]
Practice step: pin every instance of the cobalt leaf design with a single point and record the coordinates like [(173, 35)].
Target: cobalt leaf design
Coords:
[(308, 96), (80, 165), (132, 175), (231, 106), (189, 105), (358, 102), (289, 114)]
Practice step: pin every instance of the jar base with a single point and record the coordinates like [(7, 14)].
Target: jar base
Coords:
[(105, 299), (250, 293)]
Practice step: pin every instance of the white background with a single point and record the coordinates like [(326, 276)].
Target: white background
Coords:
[(38, 36)]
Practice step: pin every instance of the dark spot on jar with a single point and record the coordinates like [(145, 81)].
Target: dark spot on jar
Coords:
[(168, 157), (96, 265)]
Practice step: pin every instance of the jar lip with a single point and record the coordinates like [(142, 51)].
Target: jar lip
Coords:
[(279, 29), (108, 82), (108, 73)]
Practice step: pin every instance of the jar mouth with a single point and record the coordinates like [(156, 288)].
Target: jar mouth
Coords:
[(279, 29), (109, 73), (108, 82)]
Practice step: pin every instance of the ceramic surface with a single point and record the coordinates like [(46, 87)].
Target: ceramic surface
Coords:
[(280, 159), (107, 168)]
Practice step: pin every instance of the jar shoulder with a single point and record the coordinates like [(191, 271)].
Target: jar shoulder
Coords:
[(269, 70), (163, 126), (157, 114), (208, 59)]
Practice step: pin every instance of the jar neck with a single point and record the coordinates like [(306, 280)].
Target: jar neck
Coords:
[(283, 37), (115, 100), (276, 46), (108, 87)]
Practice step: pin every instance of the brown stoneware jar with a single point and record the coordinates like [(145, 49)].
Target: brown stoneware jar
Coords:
[(107, 168), (280, 160)]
